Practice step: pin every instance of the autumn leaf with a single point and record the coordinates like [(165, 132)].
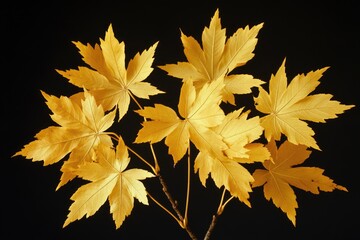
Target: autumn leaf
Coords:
[(238, 132), (287, 107), (81, 128), (108, 79), (217, 57), (199, 112), (225, 172), (256, 152), (109, 180), (281, 174)]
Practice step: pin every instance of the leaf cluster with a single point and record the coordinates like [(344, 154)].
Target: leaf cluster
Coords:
[(273, 132)]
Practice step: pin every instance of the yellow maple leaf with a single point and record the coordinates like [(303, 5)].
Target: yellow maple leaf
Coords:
[(81, 128), (238, 132), (225, 172), (256, 152), (217, 57), (109, 180), (282, 172), (109, 80), (200, 111), (287, 107)]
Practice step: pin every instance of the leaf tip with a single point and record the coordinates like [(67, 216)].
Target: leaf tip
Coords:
[(342, 188), (66, 223)]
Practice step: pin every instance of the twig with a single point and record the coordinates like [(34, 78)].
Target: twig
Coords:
[(175, 207), (211, 226)]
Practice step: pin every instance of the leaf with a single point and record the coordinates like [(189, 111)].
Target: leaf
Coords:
[(109, 180), (287, 107), (225, 172), (81, 127), (217, 57), (256, 152), (281, 173), (239, 84), (199, 112), (238, 132), (111, 83)]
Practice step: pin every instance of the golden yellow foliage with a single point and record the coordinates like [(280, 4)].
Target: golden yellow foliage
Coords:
[(226, 141), (81, 129), (110, 180), (287, 107), (217, 58), (109, 80), (200, 111), (282, 172), (238, 132)]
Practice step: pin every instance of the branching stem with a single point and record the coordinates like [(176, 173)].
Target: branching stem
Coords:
[(157, 167), (134, 99), (116, 138), (181, 219), (112, 135), (164, 208), (227, 201), (175, 208), (142, 159), (187, 188), (221, 201), (217, 214)]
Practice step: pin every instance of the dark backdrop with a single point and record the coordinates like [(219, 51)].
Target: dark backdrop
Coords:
[(36, 39)]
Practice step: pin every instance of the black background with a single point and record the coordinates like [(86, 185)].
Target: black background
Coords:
[(36, 40)]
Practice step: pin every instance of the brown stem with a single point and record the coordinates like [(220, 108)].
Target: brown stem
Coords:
[(175, 207), (216, 216), (212, 226)]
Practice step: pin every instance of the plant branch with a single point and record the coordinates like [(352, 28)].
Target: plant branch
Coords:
[(142, 159), (182, 219), (175, 207), (157, 167), (211, 226), (216, 216), (112, 135), (227, 201), (187, 188), (221, 200), (134, 99), (164, 208), (155, 170)]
